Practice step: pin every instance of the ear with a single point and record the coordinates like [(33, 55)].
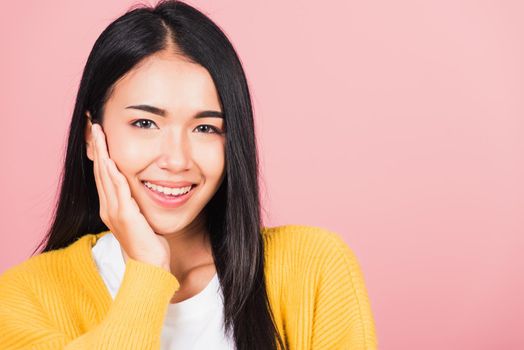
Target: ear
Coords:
[(90, 144)]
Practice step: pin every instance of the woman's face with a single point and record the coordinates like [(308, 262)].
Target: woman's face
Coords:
[(182, 145)]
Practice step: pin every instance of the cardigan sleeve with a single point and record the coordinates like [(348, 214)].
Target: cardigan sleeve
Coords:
[(134, 320), (342, 314)]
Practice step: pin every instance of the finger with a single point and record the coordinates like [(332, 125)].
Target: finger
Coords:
[(123, 192), (107, 183), (109, 189), (103, 152), (96, 171), (127, 208)]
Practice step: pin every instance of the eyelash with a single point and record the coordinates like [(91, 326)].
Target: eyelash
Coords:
[(215, 130)]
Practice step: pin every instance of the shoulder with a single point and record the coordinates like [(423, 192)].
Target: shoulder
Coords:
[(47, 267), (310, 249), (294, 231), (321, 273), (309, 241), (27, 269), (18, 283)]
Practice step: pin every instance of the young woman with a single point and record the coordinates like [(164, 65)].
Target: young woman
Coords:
[(157, 238)]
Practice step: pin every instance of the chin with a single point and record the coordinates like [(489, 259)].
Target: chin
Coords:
[(164, 230), (165, 224)]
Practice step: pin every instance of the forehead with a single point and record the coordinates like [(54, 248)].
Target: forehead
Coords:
[(167, 80)]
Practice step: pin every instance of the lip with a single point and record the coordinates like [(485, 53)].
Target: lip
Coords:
[(170, 183), (171, 202)]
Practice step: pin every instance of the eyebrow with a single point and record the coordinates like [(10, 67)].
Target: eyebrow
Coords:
[(163, 113)]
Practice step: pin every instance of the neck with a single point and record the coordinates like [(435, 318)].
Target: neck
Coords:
[(189, 248)]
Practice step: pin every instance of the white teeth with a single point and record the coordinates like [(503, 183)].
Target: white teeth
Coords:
[(168, 190)]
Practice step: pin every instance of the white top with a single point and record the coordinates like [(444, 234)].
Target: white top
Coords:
[(194, 323)]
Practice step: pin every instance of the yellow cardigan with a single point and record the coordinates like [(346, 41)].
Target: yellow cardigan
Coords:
[(58, 300)]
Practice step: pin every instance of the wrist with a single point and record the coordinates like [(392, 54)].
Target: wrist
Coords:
[(159, 263)]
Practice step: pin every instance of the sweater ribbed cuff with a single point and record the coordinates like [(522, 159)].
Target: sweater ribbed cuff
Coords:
[(140, 306)]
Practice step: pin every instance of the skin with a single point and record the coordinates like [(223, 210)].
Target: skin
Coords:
[(178, 147)]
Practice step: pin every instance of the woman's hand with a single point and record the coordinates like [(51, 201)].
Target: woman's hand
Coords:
[(120, 212)]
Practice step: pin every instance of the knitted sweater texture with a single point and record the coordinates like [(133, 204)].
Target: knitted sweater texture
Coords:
[(58, 300)]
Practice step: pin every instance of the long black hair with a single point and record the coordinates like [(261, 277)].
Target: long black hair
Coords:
[(233, 214)]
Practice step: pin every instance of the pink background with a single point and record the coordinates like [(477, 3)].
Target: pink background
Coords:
[(398, 125)]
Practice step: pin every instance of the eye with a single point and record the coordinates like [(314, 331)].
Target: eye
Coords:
[(143, 125), (207, 127)]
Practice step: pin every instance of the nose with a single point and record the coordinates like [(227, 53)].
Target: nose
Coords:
[(175, 153)]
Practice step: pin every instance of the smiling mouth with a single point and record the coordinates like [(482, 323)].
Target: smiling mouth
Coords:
[(169, 195), (169, 201)]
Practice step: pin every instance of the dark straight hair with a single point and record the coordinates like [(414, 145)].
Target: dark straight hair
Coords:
[(233, 214)]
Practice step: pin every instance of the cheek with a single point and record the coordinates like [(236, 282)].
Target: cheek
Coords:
[(126, 153), (211, 160)]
